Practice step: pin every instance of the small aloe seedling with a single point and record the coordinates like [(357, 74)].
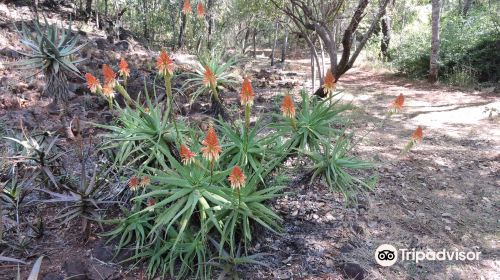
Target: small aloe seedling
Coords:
[(38, 151)]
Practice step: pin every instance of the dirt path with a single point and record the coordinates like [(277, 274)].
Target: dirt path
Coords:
[(444, 194)]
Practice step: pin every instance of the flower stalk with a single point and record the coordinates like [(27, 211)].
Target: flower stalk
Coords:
[(123, 92)]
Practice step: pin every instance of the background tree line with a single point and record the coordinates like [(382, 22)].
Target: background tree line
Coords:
[(456, 41)]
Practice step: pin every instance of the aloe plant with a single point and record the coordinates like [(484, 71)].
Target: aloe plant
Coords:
[(51, 50)]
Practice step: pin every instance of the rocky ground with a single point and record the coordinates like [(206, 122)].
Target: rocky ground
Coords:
[(444, 194)]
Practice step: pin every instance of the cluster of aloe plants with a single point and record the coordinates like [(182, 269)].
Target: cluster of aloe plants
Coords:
[(204, 191)]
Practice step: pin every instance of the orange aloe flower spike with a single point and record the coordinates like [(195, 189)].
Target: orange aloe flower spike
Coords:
[(287, 107), (109, 75), (92, 83), (398, 103), (418, 134), (145, 181), (187, 156), (209, 78), (151, 201), (164, 64), (329, 84), (237, 178), (186, 8), (108, 91), (212, 149), (246, 95), (200, 9), (124, 70), (133, 183)]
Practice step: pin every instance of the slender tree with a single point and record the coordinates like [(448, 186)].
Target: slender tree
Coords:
[(319, 18), (285, 44), (434, 57), (275, 40), (385, 24)]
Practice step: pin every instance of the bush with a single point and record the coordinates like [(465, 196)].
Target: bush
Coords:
[(468, 49)]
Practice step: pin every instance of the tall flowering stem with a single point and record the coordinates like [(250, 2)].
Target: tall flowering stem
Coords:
[(416, 137), (329, 86), (237, 180), (200, 10), (109, 94), (110, 83), (166, 67), (124, 71), (288, 110), (211, 149), (210, 80), (93, 83), (246, 99), (123, 92)]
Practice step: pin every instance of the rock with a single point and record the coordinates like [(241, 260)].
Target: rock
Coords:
[(82, 33), (21, 87), (358, 229), (101, 43), (347, 248), (37, 85), (53, 276), (102, 251), (7, 52), (353, 271), (122, 45), (77, 88), (196, 107), (329, 217), (75, 269)]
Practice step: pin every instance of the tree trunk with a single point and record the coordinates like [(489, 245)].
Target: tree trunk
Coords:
[(105, 8), (97, 18), (434, 57), (180, 42), (88, 8), (245, 40), (313, 71), (35, 11), (254, 42), (284, 45), (211, 22), (145, 19), (386, 36), (274, 43), (467, 6), (323, 65)]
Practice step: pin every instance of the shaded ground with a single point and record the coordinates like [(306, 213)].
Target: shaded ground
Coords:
[(444, 194)]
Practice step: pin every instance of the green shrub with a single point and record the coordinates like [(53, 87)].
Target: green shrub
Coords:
[(468, 48)]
